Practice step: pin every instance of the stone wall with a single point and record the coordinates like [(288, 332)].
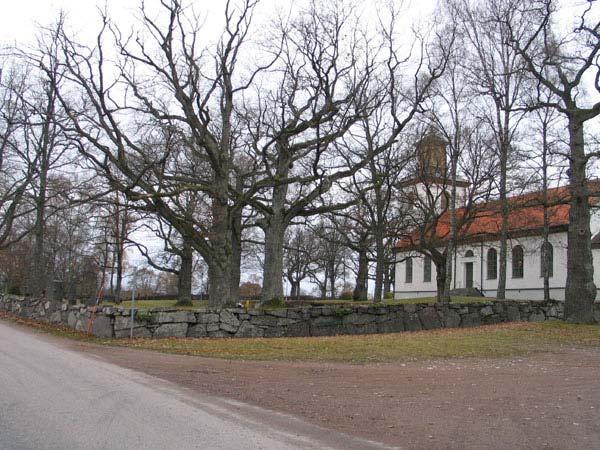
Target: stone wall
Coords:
[(110, 322)]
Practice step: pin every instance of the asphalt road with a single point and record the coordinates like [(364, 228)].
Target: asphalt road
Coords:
[(54, 398)]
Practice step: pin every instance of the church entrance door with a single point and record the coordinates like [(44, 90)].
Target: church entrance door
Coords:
[(469, 275)]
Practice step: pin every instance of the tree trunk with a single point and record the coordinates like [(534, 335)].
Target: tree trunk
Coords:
[(441, 281), (389, 278), (39, 279), (119, 277), (219, 263), (379, 265), (443, 296), (273, 266), (113, 258), (184, 284), (546, 231), (99, 292), (40, 266), (121, 235), (219, 292), (360, 290), (274, 239), (294, 289), (332, 279), (236, 254), (325, 281), (501, 291), (580, 290)]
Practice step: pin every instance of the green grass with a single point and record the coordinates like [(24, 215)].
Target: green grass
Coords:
[(149, 304), (493, 341), (409, 301), (453, 299)]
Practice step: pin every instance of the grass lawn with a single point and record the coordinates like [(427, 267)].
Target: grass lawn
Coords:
[(409, 301), (504, 340), (149, 304), (490, 341)]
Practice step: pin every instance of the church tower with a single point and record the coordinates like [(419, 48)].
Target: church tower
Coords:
[(429, 180), (431, 156)]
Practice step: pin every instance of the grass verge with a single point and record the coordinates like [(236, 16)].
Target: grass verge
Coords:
[(494, 341), (490, 341), (149, 304), (410, 301)]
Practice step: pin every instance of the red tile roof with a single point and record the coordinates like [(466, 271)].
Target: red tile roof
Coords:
[(526, 217)]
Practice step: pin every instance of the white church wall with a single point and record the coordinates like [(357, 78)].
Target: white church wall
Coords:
[(596, 256), (595, 220), (529, 287), (418, 287)]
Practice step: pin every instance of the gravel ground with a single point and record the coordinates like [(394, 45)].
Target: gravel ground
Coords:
[(548, 400)]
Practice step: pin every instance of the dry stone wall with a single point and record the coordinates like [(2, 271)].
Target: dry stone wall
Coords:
[(109, 322)]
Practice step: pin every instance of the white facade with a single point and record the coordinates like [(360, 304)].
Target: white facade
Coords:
[(527, 287)]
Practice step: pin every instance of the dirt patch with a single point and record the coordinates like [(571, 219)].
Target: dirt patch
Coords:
[(549, 400)]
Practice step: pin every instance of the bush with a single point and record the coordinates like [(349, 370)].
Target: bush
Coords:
[(143, 315), (14, 290), (186, 302), (275, 302), (346, 295), (388, 296)]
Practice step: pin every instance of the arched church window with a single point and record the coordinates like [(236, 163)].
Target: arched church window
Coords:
[(427, 269), (409, 271), (517, 261), (492, 264)]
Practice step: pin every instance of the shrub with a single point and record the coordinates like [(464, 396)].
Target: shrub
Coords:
[(346, 295), (143, 315), (388, 296), (274, 302), (14, 290)]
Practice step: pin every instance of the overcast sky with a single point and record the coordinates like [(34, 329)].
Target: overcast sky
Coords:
[(19, 18)]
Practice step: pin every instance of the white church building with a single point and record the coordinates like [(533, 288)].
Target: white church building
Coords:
[(475, 262)]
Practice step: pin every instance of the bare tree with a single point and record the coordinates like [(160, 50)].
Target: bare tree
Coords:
[(177, 255), (163, 77), (308, 128), (16, 168), (71, 236), (330, 259), (560, 66), (299, 257), (324, 88), (498, 73), (355, 228), (435, 213), (546, 121), (371, 224)]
